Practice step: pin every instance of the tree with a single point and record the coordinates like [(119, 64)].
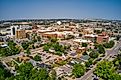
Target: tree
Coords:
[(100, 49), (46, 48), (37, 58), (5, 51), (58, 53), (43, 74), (94, 54), (115, 76), (25, 45), (54, 40), (89, 62), (33, 46), (4, 73), (38, 38), (78, 70), (11, 43), (84, 44), (12, 49), (110, 44), (117, 61), (59, 49), (53, 75), (28, 51), (106, 70), (24, 69), (28, 72)]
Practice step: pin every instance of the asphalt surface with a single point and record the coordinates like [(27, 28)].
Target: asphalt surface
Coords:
[(109, 53)]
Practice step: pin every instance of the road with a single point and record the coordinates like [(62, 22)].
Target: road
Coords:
[(109, 53)]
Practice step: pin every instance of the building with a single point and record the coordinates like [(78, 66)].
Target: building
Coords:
[(13, 30), (20, 34), (91, 37), (80, 41), (87, 31), (102, 38), (59, 35)]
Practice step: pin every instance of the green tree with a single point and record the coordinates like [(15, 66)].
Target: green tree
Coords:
[(105, 70), (37, 58), (117, 61), (4, 73), (38, 38), (94, 54), (24, 69), (10, 50), (43, 74), (89, 62), (33, 47), (25, 45), (28, 51), (46, 48), (84, 44), (53, 75), (11, 43), (54, 40), (78, 70), (100, 49), (110, 44)]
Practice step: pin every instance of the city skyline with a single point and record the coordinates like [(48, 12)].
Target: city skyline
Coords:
[(53, 9)]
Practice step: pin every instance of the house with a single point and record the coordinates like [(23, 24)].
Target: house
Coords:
[(85, 57), (64, 70)]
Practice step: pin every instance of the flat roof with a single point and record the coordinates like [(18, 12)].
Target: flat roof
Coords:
[(44, 30), (65, 32), (91, 35), (82, 40)]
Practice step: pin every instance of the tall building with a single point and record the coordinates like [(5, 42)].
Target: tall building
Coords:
[(20, 34), (13, 30)]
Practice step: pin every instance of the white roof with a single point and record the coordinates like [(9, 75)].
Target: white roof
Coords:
[(64, 33), (44, 30), (91, 35), (4, 45), (82, 41)]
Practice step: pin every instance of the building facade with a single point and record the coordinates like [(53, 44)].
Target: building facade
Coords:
[(20, 34)]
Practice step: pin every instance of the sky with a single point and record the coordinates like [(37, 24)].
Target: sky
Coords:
[(54, 9)]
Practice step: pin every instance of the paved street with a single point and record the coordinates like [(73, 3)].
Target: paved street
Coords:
[(109, 53)]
